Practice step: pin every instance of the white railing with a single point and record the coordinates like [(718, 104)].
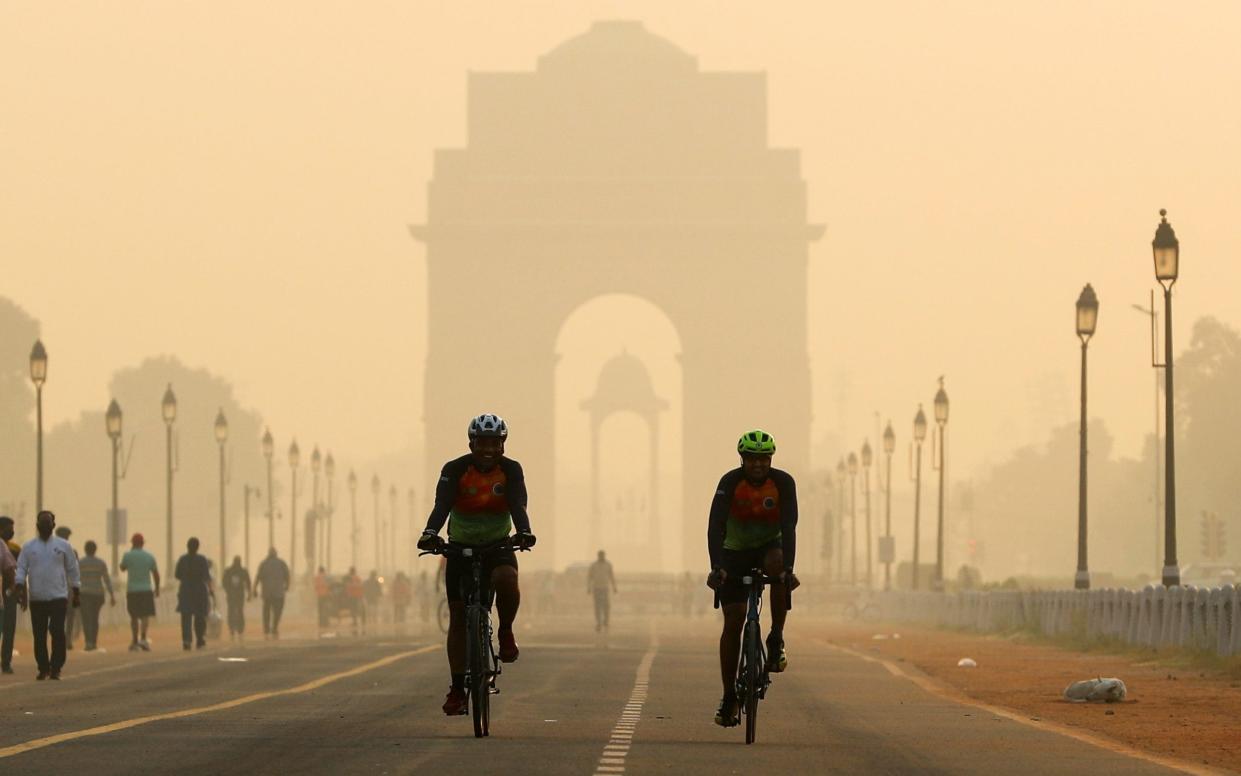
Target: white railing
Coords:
[(1204, 619)]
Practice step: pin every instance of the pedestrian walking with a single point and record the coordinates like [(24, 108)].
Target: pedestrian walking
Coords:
[(71, 616), (237, 590), (401, 593), (48, 584), (8, 573), (601, 583), (272, 582), (141, 590), (353, 595), (95, 580), (194, 595), (372, 590), (323, 592), (8, 598)]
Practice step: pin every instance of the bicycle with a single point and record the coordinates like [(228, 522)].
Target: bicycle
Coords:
[(441, 615), (753, 678), (482, 665)]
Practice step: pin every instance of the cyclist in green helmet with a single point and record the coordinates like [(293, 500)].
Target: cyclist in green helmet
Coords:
[(753, 524)]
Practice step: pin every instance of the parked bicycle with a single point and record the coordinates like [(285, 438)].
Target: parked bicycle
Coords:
[(753, 679), (482, 665)]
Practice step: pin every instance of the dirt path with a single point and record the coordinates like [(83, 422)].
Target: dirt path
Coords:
[(1192, 715)]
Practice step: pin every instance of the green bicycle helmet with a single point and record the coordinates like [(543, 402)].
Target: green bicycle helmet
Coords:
[(756, 442)]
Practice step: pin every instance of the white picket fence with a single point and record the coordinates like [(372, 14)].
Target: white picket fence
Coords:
[(1198, 618)]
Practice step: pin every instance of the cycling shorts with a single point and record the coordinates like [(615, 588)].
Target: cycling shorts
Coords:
[(738, 563), (457, 572)]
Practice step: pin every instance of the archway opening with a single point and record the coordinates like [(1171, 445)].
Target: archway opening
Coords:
[(619, 459)]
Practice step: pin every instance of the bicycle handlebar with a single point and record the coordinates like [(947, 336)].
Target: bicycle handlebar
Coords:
[(460, 550), (762, 579)]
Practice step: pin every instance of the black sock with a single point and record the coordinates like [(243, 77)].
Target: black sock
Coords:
[(458, 681)]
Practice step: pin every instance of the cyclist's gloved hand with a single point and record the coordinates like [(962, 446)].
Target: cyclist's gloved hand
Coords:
[(430, 540), (790, 579), (715, 580), (524, 539)]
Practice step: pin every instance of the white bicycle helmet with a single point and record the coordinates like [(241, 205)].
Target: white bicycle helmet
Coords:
[(488, 425)]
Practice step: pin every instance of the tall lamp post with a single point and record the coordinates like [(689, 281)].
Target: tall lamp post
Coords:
[(853, 518), (221, 436), (919, 438), (295, 459), (867, 458), (329, 470), (941, 420), (1087, 319), (112, 421), (889, 552), (38, 376), (840, 519), (168, 407), (391, 543), (314, 548), (375, 493), (1167, 252), (269, 450), (353, 520)]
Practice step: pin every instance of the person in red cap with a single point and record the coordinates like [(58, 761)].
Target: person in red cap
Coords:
[(141, 590)]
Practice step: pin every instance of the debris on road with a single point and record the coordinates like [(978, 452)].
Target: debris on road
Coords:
[(967, 662), (1108, 690)]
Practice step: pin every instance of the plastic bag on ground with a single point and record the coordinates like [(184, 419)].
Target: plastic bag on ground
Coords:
[(1109, 690), (967, 662)]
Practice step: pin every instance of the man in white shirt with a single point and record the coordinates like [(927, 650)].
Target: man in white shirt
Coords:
[(47, 570)]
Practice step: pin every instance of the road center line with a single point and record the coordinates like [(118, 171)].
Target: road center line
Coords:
[(612, 761), (60, 738)]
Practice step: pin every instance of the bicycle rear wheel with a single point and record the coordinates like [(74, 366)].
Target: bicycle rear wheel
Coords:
[(753, 647)]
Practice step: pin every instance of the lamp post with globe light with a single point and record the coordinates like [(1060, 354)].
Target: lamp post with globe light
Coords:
[(941, 420), (889, 446), (1167, 253), (168, 408), (919, 438), (221, 436), (1087, 319), (112, 421), (38, 376)]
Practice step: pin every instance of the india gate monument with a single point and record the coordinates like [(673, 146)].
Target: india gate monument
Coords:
[(618, 166)]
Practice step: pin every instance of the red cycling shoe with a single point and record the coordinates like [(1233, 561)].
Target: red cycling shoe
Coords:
[(508, 647), (456, 702)]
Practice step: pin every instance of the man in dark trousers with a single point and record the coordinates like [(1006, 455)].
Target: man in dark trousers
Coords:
[(194, 595), (272, 582), (48, 582), (71, 615), (237, 590), (8, 626)]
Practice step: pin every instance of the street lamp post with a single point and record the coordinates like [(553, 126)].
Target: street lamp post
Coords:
[(866, 461), (889, 445), (941, 420), (919, 438), (853, 519), (269, 450), (168, 407), (112, 421), (353, 519), (840, 520), (391, 543), (314, 552), (375, 493), (295, 459), (38, 376), (249, 489), (1167, 252), (221, 436), (329, 469), (1087, 319)]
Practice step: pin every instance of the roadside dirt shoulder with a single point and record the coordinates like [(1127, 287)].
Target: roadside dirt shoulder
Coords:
[(1192, 715)]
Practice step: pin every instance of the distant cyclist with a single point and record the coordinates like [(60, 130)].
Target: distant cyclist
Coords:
[(753, 524), (482, 495)]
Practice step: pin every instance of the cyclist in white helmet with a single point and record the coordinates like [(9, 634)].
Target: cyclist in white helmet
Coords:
[(482, 496)]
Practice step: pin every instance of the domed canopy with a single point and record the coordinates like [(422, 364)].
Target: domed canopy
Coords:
[(621, 42), (624, 384)]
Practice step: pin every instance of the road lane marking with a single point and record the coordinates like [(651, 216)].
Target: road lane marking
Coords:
[(314, 684), (612, 760), (934, 687)]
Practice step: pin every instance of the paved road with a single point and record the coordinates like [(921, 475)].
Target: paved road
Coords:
[(639, 701)]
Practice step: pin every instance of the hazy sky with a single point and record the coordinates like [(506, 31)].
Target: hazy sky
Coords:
[(232, 182)]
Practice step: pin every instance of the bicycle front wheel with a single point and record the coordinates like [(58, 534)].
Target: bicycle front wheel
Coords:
[(476, 665), (441, 615), (753, 646)]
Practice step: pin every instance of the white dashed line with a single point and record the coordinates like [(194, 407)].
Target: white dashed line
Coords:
[(612, 761)]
